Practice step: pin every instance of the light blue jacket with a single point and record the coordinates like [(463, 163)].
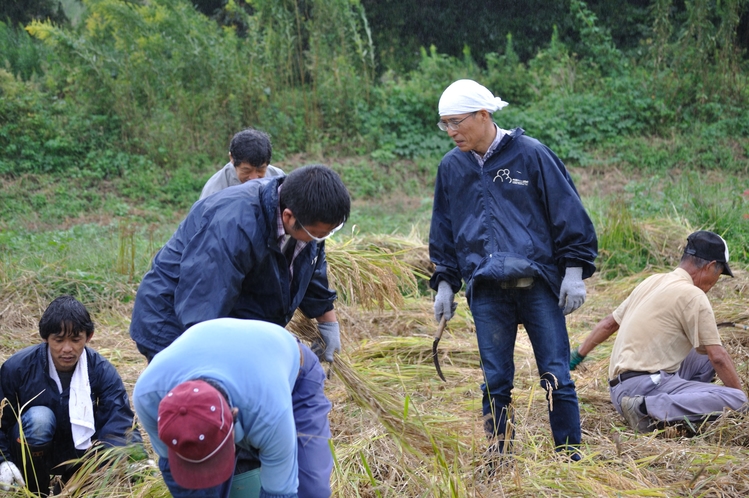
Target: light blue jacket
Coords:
[(257, 363)]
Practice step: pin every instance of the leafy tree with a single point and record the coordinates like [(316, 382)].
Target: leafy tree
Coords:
[(24, 11), (401, 27)]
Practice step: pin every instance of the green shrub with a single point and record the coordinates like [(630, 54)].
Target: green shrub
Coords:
[(507, 77), (401, 121), (20, 54), (42, 133), (169, 73)]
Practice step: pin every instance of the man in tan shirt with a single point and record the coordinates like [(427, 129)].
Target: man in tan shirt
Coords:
[(668, 349)]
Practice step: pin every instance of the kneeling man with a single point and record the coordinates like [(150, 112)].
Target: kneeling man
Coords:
[(62, 397), (668, 349)]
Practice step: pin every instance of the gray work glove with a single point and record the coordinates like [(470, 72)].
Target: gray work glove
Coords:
[(10, 476), (444, 302), (330, 332), (572, 292)]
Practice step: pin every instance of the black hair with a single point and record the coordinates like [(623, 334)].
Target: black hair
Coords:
[(67, 316), (250, 146), (315, 194)]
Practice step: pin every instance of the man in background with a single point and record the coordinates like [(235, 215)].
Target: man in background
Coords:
[(249, 157)]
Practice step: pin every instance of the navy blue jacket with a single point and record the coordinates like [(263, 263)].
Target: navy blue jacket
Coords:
[(518, 216), (224, 261), (24, 378)]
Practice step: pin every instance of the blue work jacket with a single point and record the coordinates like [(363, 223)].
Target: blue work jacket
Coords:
[(224, 261), (517, 216)]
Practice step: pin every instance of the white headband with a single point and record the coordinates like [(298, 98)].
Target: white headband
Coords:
[(468, 96)]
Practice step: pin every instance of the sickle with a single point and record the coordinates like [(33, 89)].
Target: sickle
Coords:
[(437, 338), (732, 324)]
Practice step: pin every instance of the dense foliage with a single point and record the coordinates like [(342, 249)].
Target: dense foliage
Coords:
[(145, 95)]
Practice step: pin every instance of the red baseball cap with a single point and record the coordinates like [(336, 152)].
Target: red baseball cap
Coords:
[(196, 425)]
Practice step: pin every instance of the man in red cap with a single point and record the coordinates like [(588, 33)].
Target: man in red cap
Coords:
[(668, 349), (258, 389), (197, 425)]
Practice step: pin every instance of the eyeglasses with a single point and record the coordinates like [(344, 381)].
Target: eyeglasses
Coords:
[(320, 239), (452, 124)]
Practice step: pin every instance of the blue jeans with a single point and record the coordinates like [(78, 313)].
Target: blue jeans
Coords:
[(314, 458), (39, 425), (497, 312)]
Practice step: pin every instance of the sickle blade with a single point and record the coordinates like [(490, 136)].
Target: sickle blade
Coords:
[(437, 338)]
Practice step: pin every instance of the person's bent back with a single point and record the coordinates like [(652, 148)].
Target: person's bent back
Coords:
[(226, 259)]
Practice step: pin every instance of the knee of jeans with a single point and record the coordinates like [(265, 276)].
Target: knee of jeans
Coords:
[(554, 385), (38, 425)]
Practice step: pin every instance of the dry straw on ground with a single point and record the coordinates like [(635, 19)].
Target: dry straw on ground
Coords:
[(399, 431)]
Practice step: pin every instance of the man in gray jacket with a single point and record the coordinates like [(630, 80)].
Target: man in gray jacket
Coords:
[(249, 158)]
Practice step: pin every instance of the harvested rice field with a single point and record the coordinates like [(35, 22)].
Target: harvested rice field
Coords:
[(399, 431)]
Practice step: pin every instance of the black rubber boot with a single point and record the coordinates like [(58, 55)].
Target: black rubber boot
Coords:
[(37, 469)]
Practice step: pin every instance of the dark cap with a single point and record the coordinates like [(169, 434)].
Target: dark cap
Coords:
[(196, 425), (709, 246)]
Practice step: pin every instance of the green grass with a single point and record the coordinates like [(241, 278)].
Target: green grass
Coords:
[(96, 264)]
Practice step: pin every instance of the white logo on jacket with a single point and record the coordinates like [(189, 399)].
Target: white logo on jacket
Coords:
[(504, 174)]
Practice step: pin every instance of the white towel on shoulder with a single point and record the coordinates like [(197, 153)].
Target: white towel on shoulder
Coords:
[(80, 407)]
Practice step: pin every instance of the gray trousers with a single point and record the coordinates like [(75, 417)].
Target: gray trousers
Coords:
[(688, 393)]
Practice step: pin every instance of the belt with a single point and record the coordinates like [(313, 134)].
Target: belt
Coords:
[(626, 375), (517, 283)]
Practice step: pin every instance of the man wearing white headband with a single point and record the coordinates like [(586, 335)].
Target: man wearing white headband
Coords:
[(508, 221)]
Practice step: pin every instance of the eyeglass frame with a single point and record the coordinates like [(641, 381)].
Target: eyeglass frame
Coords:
[(452, 125), (321, 239)]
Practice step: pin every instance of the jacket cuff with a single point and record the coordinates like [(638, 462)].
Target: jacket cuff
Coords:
[(588, 268), (448, 276)]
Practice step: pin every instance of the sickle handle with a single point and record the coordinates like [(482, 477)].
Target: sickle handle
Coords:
[(440, 328)]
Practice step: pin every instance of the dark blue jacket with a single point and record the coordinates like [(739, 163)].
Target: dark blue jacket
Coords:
[(224, 261), (518, 216), (24, 378)]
